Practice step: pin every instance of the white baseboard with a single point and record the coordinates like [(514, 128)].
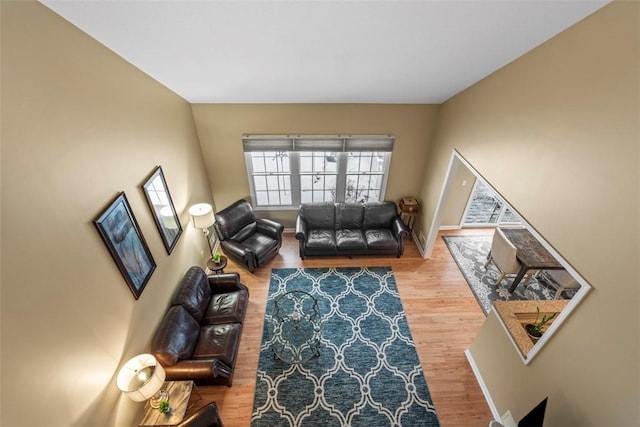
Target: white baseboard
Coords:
[(417, 242), (449, 227), (483, 386)]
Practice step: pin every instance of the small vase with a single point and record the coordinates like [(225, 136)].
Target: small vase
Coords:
[(534, 335)]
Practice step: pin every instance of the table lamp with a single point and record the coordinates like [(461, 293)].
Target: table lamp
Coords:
[(142, 378), (202, 214)]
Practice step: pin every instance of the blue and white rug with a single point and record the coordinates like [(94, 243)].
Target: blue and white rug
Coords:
[(470, 253), (367, 374)]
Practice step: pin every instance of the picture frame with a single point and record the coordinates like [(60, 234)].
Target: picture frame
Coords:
[(164, 213), (120, 232)]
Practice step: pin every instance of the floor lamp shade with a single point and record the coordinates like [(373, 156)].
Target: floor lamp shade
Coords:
[(202, 214), (141, 377)]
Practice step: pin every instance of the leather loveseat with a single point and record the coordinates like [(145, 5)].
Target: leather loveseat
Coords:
[(199, 335), (326, 228), (248, 240)]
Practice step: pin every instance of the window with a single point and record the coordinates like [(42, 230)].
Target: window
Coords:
[(286, 171)]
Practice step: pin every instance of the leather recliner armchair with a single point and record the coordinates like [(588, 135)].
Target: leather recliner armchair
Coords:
[(248, 240)]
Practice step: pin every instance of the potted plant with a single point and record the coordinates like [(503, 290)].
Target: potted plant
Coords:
[(216, 257), (164, 407), (535, 329)]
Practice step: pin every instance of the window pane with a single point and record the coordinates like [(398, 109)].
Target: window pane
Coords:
[(270, 164), (318, 182), (365, 163), (331, 164), (306, 162), (377, 162), (261, 198), (285, 182), (285, 198), (274, 198), (272, 182), (330, 182), (306, 182), (257, 163), (353, 163), (306, 196), (260, 182), (374, 196), (317, 196), (376, 182)]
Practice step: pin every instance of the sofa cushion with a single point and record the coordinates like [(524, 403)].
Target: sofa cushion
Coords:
[(350, 240), (379, 215), (260, 244), (319, 215), (321, 240), (176, 336), (349, 216), (218, 341), (381, 239), (193, 292), (226, 308)]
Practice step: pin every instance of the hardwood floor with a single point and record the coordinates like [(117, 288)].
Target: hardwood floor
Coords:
[(443, 315)]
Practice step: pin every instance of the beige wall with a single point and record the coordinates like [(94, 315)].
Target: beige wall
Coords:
[(557, 134), (79, 125), (221, 126)]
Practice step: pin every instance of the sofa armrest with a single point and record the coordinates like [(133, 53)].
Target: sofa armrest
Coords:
[(399, 229), (197, 369), (270, 228), (301, 229), (227, 282)]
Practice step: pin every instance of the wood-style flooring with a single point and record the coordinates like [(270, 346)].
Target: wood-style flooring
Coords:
[(443, 315)]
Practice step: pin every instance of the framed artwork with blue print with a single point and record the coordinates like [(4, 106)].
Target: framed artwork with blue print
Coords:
[(120, 231)]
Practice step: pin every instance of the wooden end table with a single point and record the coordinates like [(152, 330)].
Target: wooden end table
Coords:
[(217, 267), (179, 394)]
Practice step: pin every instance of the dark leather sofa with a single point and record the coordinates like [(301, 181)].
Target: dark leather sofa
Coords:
[(248, 240), (207, 416), (350, 229), (199, 335)]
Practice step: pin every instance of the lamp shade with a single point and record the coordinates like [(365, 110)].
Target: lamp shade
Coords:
[(202, 214), (141, 377)]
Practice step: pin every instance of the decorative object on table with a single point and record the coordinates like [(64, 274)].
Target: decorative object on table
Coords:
[(164, 407), (537, 328), (161, 205), (216, 257), (470, 253), (202, 214), (250, 241), (120, 231), (367, 371), (142, 378), (409, 210)]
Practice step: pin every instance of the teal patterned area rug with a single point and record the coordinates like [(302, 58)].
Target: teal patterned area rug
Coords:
[(367, 373)]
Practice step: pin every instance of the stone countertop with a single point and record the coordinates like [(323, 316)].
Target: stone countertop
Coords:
[(515, 314)]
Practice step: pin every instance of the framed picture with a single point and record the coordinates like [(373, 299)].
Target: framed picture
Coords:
[(161, 205), (121, 233)]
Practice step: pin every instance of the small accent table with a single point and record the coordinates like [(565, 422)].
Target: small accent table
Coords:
[(217, 267), (179, 394), (296, 327), (530, 254)]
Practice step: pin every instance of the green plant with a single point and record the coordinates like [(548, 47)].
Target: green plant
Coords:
[(216, 257), (535, 328), (164, 407)]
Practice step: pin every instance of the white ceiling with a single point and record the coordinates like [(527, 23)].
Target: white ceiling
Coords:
[(421, 51)]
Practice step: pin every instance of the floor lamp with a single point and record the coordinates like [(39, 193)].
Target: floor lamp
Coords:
[(202, 214)]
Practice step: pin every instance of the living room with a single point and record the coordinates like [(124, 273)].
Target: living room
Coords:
[(556, 132)]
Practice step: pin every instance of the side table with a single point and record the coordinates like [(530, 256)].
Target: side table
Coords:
[(217, 267), (179, 394)]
